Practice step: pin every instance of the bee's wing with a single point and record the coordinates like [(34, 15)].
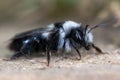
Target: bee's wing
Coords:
[(32, 33), (17, 41)]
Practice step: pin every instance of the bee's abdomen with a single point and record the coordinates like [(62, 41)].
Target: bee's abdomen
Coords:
[(16, 44)]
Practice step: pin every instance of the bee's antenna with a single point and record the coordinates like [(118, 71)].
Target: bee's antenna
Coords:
[(96, 26), (86, 27), (93, 28)]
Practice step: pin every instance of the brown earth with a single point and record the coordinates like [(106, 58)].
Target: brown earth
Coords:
[(90, 67)]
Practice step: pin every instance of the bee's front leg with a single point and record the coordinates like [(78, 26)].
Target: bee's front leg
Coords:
[(97, 48)]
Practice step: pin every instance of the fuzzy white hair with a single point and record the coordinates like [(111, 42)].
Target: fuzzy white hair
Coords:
[(67, 27), (45, 34), (89, 37)]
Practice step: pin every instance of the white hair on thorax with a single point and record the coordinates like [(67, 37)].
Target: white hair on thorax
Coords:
[(66, 28), (67, 45), (69, 25)]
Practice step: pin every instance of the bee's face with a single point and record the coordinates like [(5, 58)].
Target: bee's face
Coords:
[(82, 37), (88, 39)]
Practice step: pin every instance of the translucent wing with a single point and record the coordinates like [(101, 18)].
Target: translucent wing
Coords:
[(32, 33), (17, 41)]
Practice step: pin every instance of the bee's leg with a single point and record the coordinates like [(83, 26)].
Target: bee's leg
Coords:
[(76, 50), (97, 48), (48, 56), (20, 53), (25, 49), (16, 55)]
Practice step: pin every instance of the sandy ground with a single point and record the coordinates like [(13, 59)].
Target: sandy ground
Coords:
[(92, 66)]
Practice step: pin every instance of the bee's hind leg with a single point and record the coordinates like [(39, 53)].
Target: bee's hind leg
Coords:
[(16, 55), (25, 50)]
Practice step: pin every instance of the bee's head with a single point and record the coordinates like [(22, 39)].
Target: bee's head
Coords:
[(83, 36), (87, 38), (80, 36)]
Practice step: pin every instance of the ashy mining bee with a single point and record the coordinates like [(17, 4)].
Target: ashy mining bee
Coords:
[(60, 36)]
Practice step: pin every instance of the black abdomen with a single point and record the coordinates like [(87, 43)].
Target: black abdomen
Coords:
[(16, 44)]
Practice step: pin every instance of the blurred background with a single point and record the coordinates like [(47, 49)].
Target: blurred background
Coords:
[(20, 15)]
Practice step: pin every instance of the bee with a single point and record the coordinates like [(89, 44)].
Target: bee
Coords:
[(56, 37)]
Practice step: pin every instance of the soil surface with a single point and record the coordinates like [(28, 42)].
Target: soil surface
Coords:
[(92, 66)]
